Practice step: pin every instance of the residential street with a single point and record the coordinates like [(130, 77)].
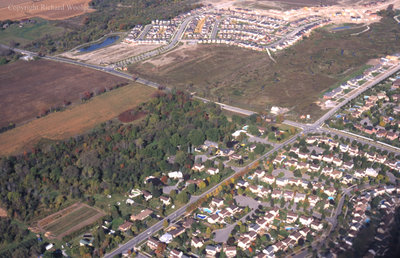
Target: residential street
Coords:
[(177, 214)]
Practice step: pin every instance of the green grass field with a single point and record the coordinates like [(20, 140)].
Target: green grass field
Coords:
[(29, 32), (249, 79), (65, 223)]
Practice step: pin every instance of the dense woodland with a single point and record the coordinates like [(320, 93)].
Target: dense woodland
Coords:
[(112, 158), (111, 16)]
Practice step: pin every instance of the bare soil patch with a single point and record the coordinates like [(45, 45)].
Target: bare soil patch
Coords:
[(29, 88), (111, 54), (3, 213), (179, 54), (46, 9)]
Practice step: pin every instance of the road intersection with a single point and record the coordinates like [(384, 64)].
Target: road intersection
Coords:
[(305, 129)]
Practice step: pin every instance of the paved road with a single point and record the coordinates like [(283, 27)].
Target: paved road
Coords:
[(260, 140), (215, 28), (291, 34), (358, 139), (332, 220), (173, 43), (311, 127), (145, 30), (397, 18), (228, 107), (180, 212)]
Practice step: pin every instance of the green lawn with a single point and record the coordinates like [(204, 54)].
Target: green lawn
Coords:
[(29, 32)]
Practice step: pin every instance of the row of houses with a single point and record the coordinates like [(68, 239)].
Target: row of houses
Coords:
[(359, 218)]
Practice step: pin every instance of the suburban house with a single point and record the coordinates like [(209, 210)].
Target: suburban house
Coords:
[(147, 196), (152, 243), (197, 242), (216, 202), (175, 254), (198, 167), (165, 200), (125, 226), (291, 217), (230, 251), (212, 171), (244, 242), (211, 250), (175, 175), (306, 221), (142, 215)]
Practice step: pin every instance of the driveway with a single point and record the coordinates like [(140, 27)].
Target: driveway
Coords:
[(260, 140)]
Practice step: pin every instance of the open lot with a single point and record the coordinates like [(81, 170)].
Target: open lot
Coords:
[(29, 32), (110, 54), (46, 9), (69, 220), (251, 80), (28, 88), (75, 120)]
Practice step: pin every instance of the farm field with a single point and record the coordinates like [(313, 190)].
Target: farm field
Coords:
[(46, 9), (75, 120), (249, 79), (110, 54), (29, 88), (29, 32), (69, 220)]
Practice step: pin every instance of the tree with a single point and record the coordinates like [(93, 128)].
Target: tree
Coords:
[(259, 149), (196, 137), (253, 130), (208, 231), (182, 197), (180, 158), (165, 223)]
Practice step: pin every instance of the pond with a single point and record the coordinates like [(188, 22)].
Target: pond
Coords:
[(106, 42), (342, 28)]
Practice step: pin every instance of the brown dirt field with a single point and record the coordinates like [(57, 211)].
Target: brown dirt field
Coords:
[(3, 213), (75, 120), (46, 9), (110, 54), (57, 217), (28, 88)]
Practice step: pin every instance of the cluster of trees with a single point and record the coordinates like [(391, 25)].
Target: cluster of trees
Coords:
[(12, 233), (7, 127), (7, 56), (111, 16), (112, 158)]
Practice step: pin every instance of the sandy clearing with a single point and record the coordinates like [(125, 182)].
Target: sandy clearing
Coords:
[(110, 54)]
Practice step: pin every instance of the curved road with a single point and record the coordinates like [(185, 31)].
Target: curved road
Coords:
[(178, 213)]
